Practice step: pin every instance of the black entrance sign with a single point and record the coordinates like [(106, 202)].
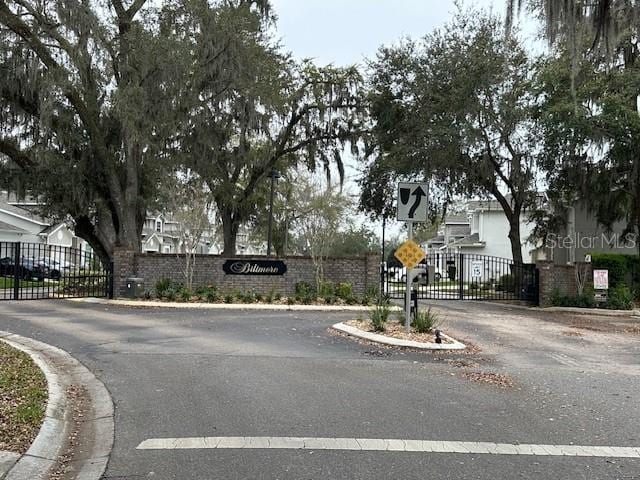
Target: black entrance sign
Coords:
[(254, 267)]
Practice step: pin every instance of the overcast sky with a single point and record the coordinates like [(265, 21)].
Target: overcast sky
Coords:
[(344, 32)]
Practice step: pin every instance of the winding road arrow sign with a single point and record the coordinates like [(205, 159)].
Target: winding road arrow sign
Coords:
[(412, 202)]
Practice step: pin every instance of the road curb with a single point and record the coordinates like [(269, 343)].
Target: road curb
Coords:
[(397, 342), (601, 312), (62, 371), (226, 306)]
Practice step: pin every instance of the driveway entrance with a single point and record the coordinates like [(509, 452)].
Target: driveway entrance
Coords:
[(463, 276)]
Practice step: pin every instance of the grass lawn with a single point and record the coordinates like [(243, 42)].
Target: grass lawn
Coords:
[(7, 282), (23, 399)]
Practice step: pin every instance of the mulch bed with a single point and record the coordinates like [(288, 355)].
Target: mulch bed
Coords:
[(396, 330), (23, 399)]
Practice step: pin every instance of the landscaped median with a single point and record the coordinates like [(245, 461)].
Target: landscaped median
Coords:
[(23, 399), (50, 405), (422, 333), (394, 338)]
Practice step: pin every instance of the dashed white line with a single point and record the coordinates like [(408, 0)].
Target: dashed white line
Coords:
[(391, 445)]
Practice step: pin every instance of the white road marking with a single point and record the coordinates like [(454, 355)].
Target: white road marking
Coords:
[(394, 445), (564, 359)]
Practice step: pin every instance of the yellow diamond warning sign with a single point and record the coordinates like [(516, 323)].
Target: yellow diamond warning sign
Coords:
[(410, 254)]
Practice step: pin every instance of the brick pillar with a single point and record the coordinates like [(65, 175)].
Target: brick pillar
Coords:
[(547, 282), (123, 268), (371, 271)]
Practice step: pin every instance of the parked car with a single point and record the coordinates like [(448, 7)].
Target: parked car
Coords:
[(6, 266), (422, 276), (55, 268), (26, 270)]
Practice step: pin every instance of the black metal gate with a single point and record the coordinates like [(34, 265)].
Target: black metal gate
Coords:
[(462, 276), (33, 271)]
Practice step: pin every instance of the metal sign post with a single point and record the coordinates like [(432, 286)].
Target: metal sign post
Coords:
[(409, 278), (412, 205)]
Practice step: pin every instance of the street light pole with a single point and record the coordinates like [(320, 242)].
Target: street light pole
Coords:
[(274, 174)]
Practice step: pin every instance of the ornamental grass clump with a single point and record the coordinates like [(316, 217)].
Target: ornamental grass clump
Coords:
[(425, 321), (379, 315)]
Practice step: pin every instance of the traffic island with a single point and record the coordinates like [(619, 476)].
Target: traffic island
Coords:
[(397, 337), (75, 437), (23, 399)]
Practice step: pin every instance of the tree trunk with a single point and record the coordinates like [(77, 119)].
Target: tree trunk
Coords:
[(128, 235), (514, 238), (101, 246), (230, 226)]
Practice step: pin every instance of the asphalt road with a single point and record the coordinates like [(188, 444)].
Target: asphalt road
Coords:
[(202, 373)]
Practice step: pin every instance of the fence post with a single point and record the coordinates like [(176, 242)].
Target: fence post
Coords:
[(461, 275), (17, 266)]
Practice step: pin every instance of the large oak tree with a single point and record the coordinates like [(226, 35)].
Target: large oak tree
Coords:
[(456, 108)]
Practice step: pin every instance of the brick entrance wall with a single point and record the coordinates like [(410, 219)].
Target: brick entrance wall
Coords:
[(560, 278), (362, 272)]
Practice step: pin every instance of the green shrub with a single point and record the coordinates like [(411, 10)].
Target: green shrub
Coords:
[(201, 291), (271, 296), (372, 291), (185, 294), (211, 295), (290, 301), (617, 264), (170, 294), (344, 290), (162, 286), (327, 289), (379, 315), (581, 301), (303, 289), (327, 293), (246, 297), (366, 300), (619, 298), (259, 297), (304, 292), (474, 286), (229, 298), (425, 321)]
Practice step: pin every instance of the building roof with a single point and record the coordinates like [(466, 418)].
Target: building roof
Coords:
[(6, 227), (23, 208), (459, 230), (457, 218), (436, 239), (469, 241)]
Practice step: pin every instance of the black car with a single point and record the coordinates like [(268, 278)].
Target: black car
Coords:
[(50, 268), (6, 266), (27, 269)]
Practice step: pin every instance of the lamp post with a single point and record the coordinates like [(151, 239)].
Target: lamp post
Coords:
[(274, 175)]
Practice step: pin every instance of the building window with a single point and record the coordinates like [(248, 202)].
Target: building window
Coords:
[(159, 226)]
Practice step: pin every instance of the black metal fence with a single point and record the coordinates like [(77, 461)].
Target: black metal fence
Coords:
[(461, 276), (32, 271)]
